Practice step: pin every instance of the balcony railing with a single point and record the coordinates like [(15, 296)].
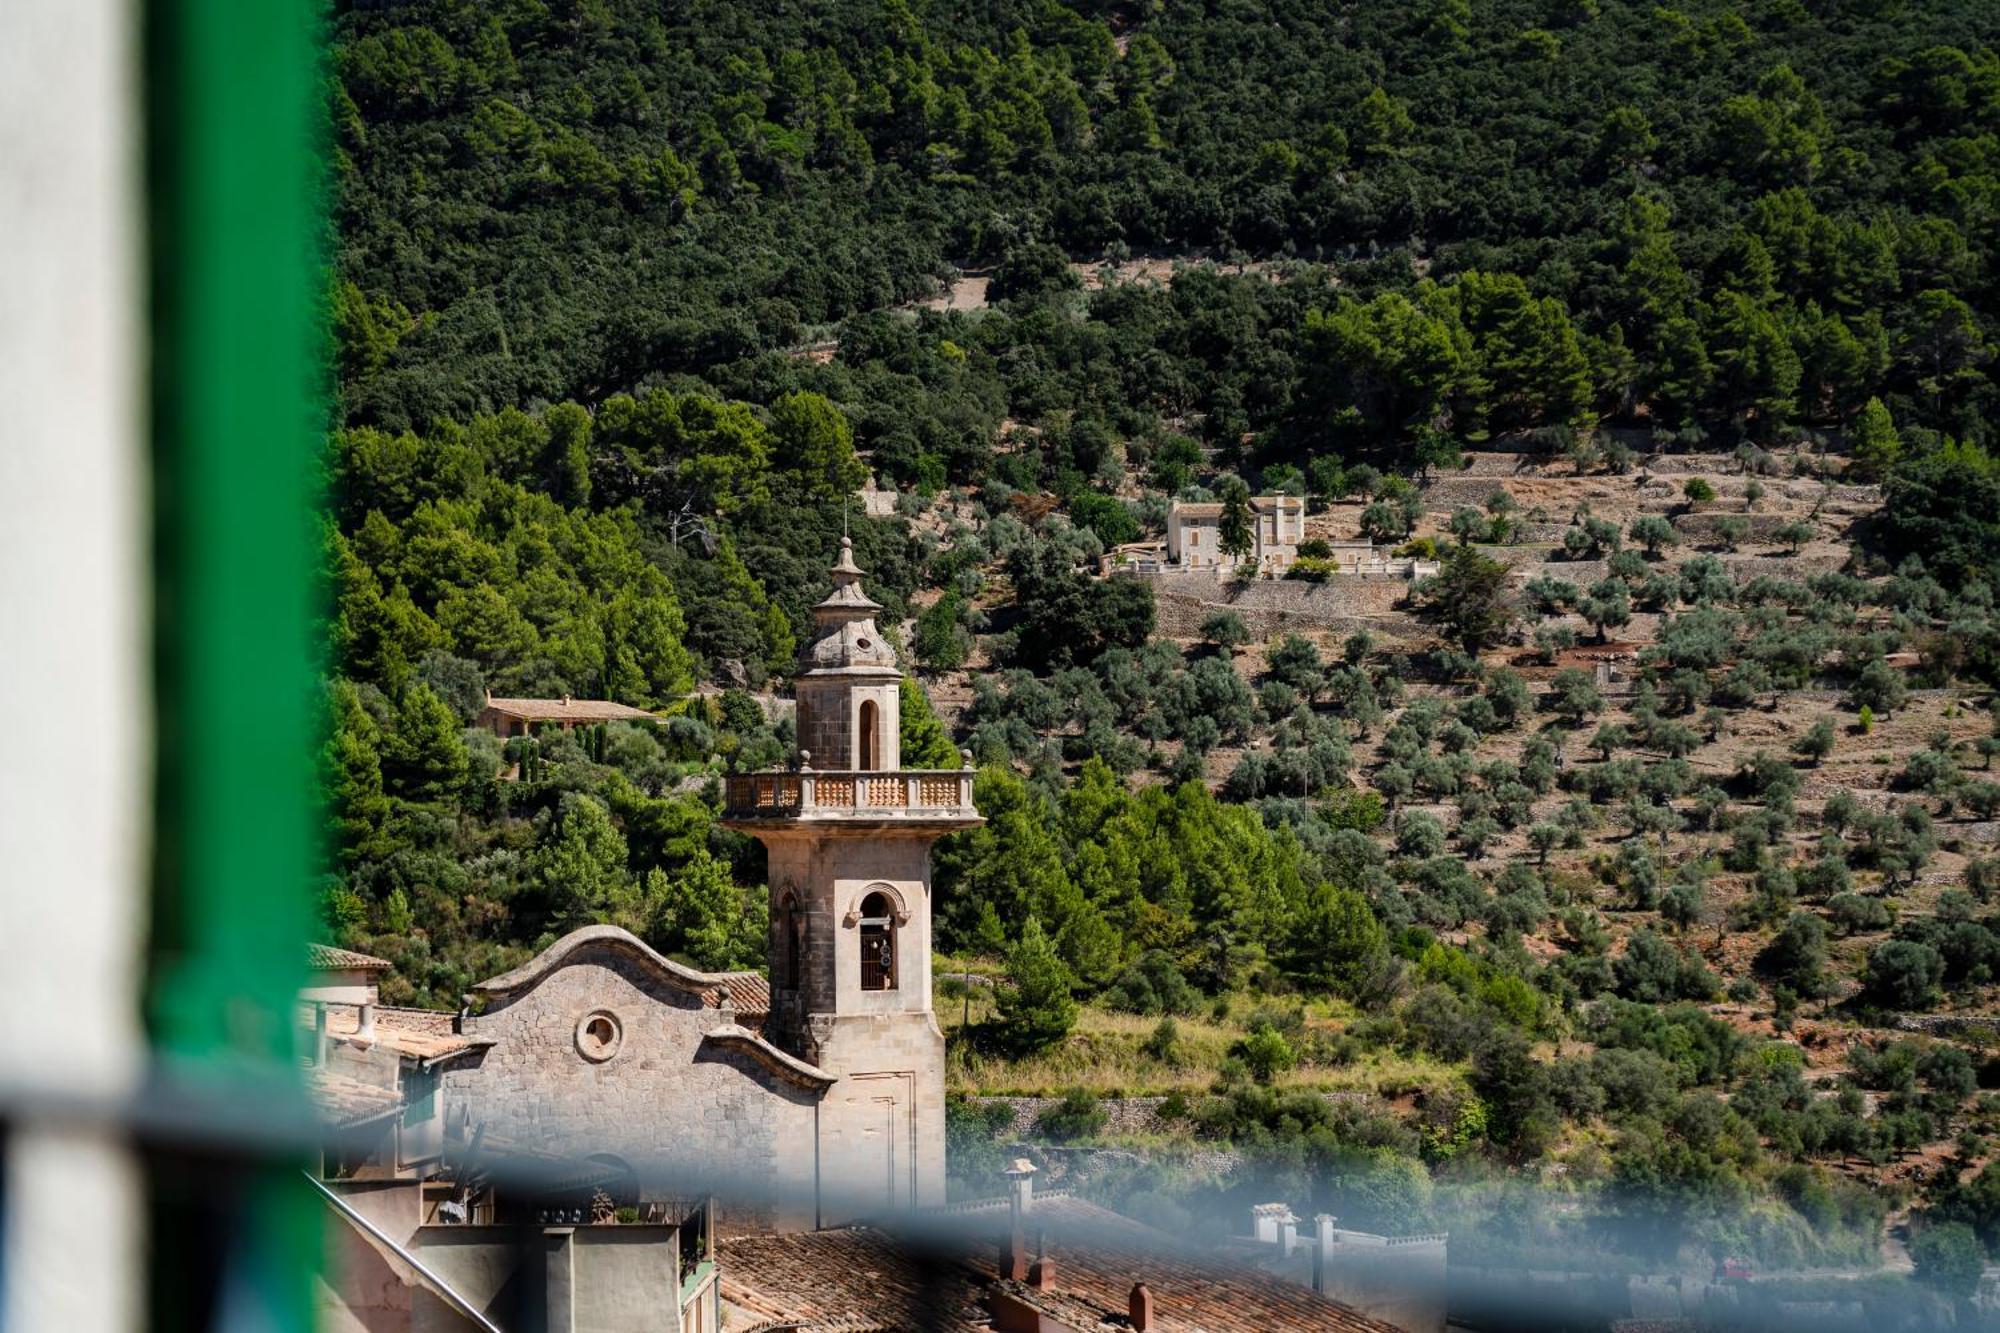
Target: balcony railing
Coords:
[(907, 791)]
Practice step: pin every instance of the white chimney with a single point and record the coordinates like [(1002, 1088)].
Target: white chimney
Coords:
[(1266, 1221), (1020, 1188), (1322, 1250)]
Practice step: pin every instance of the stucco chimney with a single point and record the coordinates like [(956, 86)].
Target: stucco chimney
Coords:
[(1265, 1221), (1020, 1189), (1139, 1309), (1323, 1243)]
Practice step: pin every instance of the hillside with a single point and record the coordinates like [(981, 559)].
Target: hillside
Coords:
[(1594, 876)]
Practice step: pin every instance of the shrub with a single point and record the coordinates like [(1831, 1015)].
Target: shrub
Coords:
[(1904, 974), (1153, 985), (1079, 1115), (1265, 1053), (1948, 1257)]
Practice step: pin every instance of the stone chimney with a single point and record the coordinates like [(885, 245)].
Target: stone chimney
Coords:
[(1139, 1308), (1323, 1243)]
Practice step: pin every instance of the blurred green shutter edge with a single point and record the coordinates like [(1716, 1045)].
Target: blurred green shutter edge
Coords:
[(234, 226)]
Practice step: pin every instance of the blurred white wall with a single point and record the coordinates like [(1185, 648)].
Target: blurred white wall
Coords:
[(74, 752)]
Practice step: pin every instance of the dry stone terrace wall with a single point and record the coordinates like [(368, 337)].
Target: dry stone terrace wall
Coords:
[(1270, 607)]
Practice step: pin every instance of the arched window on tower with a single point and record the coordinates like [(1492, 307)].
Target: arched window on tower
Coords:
[(878, 943), (870, 752)]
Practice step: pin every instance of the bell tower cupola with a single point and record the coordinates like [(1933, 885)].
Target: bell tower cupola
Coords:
[(849, 690)]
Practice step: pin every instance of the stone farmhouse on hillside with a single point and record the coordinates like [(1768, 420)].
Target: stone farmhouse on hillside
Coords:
[(518, 717), (1277, 526)]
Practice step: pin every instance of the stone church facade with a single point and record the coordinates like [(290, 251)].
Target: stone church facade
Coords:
[(810, 1098)]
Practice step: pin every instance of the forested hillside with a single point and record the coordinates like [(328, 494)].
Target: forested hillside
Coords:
[(1685, 314)]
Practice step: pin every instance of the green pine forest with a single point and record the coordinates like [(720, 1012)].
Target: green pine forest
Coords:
[(632, 298)]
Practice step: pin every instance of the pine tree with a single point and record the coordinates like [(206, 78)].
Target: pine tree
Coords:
[(1873, 444), (699, 912), (1039, 1010), (1236, 520), (922, 737), (424, 757)]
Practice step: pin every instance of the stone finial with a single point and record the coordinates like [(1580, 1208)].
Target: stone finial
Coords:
[(965, 758), (846, 565), (805, 761)]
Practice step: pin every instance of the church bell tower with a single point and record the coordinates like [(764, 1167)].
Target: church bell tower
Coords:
[(848, 835)]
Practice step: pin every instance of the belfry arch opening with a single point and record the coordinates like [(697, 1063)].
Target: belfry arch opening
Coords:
[(878, 943), (870, 741)]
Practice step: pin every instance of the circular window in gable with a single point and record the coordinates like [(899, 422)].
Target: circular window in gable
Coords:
[(598, 1036)]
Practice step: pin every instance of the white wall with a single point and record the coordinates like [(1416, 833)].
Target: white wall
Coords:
[(73, 778)]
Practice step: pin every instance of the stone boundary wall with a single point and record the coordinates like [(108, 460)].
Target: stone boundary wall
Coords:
[(1271, 607), (1790, 569), (1123, 1116), (1944, 1025)]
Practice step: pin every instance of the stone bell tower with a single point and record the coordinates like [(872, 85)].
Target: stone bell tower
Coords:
[(848, 836)]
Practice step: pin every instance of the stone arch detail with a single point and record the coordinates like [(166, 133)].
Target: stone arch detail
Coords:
[(899, 905)]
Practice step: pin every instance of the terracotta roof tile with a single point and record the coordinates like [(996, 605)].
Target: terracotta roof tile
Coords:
[(749, 993), (848, 1281), (1099, 1254), (861, 1278), (343, 1101), (569, 710), (327, 958), (423, 1033)]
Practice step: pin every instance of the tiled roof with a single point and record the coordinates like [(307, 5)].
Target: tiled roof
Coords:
[(1261, 503), (1099, 1254), (423, 1033), (326, 958), (851, 1280), (343, 1101), (749, 993), (569, 710), (861, 1278)]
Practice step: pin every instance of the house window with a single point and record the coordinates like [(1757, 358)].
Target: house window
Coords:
[(878, 943), (870, 754), (1194, 537)]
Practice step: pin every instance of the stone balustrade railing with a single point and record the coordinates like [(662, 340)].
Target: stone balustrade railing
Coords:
[(908, 791)]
